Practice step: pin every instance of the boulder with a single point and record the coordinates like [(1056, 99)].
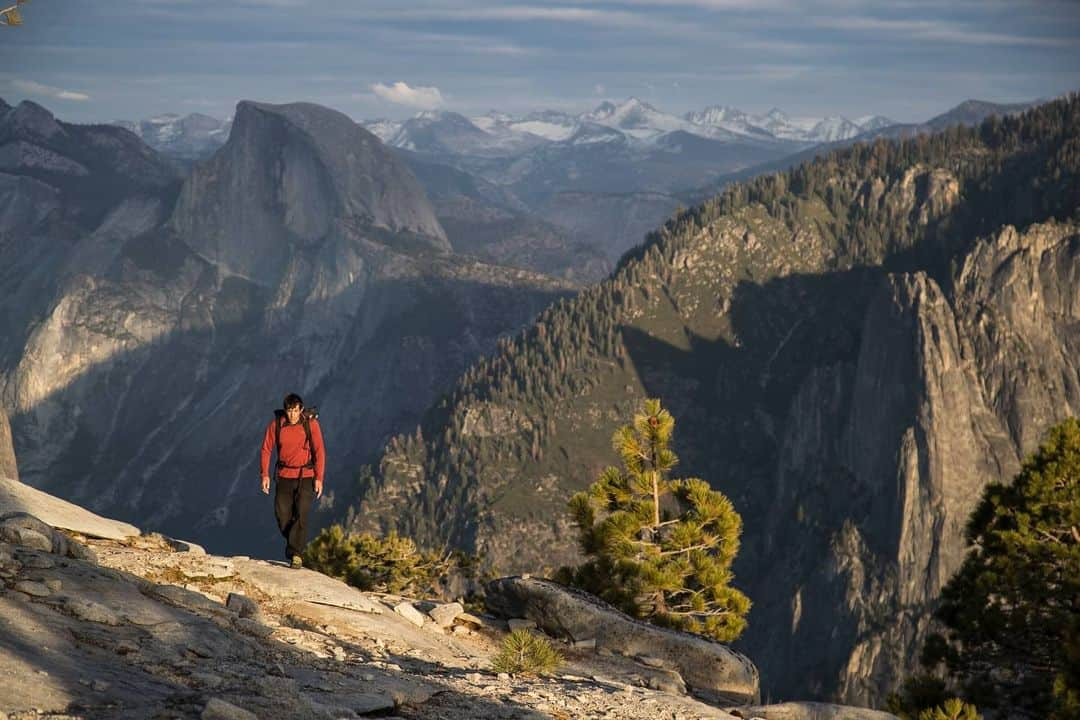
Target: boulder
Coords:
[(710, 669), (244, 606), (445, 614), (21, 528), (407, 611), (17, 497)]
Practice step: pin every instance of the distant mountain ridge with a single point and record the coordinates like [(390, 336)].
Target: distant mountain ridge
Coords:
[(634, 119), (197, 135), (547, 161), (188, 137)]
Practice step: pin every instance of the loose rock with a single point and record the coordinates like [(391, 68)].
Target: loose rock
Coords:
[(444, 615), (218, 709), (244, 606), (407, 611), (32, 588)]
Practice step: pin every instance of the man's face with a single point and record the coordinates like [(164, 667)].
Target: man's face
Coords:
[(293, 414)]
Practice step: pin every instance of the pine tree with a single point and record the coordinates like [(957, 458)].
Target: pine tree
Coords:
[(660, 549), (1013, 609), (523, 653)]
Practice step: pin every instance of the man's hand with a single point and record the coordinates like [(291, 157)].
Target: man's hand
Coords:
[(318, 488), (266, 484)]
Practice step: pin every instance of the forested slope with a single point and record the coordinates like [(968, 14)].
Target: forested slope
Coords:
[(852, 348)]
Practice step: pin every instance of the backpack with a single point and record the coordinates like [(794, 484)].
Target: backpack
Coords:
[(306, 416)]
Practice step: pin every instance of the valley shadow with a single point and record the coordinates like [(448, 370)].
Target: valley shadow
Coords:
[(735, 388), (166, 436), (785, 368)]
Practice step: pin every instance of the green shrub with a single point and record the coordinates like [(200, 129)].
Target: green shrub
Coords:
[(392, 564), (523, 653), (951, 709)]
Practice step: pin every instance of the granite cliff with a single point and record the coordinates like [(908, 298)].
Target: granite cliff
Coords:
[(852, 350), (157, 323)]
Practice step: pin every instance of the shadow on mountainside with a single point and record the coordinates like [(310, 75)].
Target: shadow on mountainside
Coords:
[(733, 401), (167, 435), (845, 416)]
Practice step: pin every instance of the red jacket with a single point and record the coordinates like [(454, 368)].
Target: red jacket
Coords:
[(294, 449)]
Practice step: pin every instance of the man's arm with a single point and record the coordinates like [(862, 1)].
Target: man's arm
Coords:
[(264, 456)]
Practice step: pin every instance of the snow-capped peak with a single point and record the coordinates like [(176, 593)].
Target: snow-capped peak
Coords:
[(867, 123), (780, 125), (636, 118), (715, 115)]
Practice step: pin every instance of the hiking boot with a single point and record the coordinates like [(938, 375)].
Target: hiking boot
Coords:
[(297, 561)]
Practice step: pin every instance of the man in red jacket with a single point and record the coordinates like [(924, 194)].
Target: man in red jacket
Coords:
[(300, 464)]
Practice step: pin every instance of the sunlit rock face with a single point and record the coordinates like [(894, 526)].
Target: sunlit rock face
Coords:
[(8, 467)]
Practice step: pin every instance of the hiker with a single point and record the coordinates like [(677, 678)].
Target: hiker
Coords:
[(301, 458)]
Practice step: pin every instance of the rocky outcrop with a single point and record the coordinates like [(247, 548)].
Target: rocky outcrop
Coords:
[(18, 497), (134, 628), (710, 669)]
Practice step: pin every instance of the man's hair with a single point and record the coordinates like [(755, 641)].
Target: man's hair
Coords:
[(293, 400)]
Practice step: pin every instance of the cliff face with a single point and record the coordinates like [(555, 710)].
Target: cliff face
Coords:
[(302, 257), (881, 460), (8, 467), (851, 350), (289, 176), (69, 196)]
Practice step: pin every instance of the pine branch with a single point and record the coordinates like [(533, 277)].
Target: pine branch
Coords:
[(702, 546)]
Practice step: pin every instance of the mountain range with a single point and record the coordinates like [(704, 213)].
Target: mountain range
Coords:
[(573, 192), (852, 347), (631, 118), (852, 350)]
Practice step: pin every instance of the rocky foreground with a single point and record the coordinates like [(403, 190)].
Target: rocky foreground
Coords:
[(102, 621)]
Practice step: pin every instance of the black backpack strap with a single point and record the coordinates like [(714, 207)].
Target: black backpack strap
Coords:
[(310, 444)]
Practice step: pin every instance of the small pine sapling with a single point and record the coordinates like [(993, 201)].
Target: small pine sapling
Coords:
[(523, 653)]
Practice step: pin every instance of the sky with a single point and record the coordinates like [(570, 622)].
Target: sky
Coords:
[(103, 60)]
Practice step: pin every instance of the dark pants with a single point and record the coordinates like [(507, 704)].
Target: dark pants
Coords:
[(292, 501)]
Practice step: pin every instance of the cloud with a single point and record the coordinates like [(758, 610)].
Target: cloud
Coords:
[(425, 98), (35, 88), (939, 30)]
